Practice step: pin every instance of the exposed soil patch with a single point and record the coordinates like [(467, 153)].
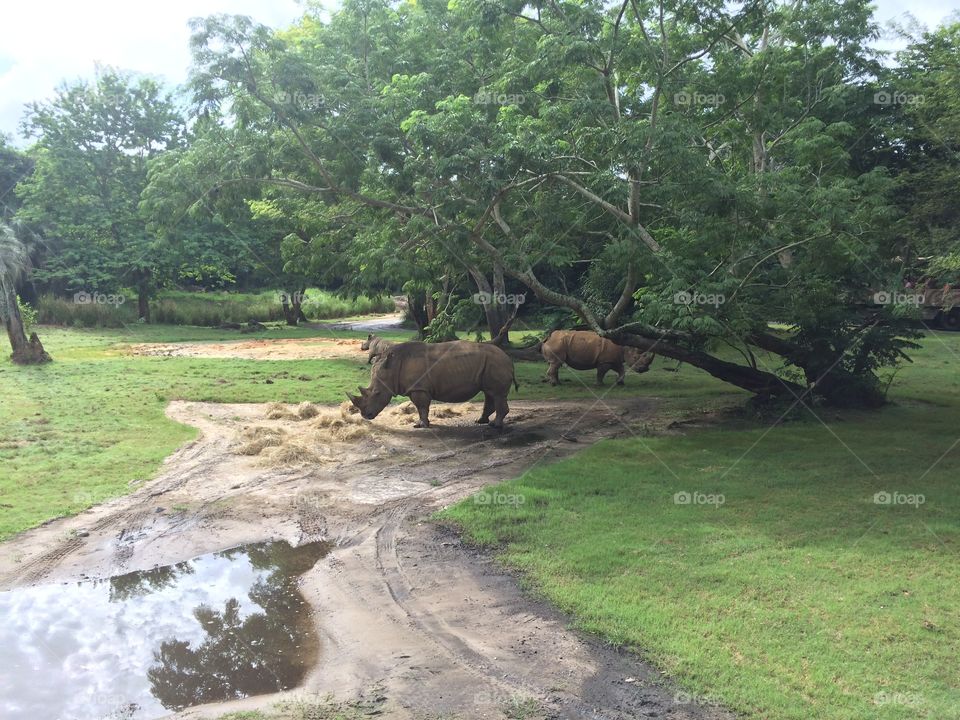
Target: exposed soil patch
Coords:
[(398, 603), (261, 349)]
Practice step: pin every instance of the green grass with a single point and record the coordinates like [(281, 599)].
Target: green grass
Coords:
[(798, 596), (91, 424)]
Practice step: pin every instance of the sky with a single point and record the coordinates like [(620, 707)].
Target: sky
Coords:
[(43, 42)]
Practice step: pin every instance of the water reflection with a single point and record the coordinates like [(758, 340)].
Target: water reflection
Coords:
[(139, 645)]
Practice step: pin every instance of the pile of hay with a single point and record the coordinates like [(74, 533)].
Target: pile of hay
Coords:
[(256, 439), (404, 415), (307, 410), (340, 424), (311, 430), (303, 411), (292, 454)]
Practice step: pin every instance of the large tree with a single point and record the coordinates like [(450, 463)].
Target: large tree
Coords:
[(920, 99), (675, 175), (93, 143)]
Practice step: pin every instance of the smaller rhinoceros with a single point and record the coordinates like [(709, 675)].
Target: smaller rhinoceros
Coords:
[(376, 346), (585, 350), (448, 372)]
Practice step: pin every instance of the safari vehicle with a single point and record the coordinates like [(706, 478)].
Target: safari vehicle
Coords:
[(941, 307), (938, 306), (931, 285)]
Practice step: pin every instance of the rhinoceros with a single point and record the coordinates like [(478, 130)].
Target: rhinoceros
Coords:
[(447, 372), (376, 346), (585, 350)]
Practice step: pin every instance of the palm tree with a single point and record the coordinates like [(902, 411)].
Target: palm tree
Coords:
[(14, 262)]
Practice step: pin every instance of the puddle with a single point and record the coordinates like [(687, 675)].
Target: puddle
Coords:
[(141, 645)]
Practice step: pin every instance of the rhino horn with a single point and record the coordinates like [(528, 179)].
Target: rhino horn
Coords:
[(352, 398)]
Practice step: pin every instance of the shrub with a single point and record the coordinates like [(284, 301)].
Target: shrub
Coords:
[(27, 314), (53, 310), (177, 307)]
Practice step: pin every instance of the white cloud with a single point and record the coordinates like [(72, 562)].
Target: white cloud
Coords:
[(43, 42)]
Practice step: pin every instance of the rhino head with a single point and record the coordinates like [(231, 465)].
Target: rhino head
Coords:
[(637, 360), (372, 400), (365, 345)]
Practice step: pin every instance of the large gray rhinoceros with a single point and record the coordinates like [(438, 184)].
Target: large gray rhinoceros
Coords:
[(585, 350), (447, 372)]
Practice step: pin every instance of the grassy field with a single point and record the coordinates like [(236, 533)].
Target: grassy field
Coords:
[(774, 583), (88, 426), (83, 428), (808, 570)]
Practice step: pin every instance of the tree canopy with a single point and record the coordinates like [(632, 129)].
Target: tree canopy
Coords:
[(674, 176)]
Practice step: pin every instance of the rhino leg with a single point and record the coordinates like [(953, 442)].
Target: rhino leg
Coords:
[(488, 406), (601, 372), (421, 401), (621, 371), (502, 409), (552, 372)]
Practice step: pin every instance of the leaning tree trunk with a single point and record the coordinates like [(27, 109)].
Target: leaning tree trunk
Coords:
[(492, 299), (25, 352), (760, 382), (416, 308)]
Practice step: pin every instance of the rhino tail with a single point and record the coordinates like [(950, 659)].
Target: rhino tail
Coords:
[(516, 385)]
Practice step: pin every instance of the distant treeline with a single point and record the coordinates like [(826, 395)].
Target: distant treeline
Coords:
[(176, 307)]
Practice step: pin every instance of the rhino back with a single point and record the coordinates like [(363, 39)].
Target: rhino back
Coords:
[(453, 371), (582, 349)]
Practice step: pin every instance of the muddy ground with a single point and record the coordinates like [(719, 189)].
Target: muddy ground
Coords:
[(402, 608)]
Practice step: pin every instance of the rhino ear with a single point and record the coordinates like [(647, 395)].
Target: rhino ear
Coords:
[(369, 336)]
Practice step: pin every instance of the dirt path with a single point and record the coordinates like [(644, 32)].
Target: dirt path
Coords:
[(400, 604), (370, 323), (259, 349)]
